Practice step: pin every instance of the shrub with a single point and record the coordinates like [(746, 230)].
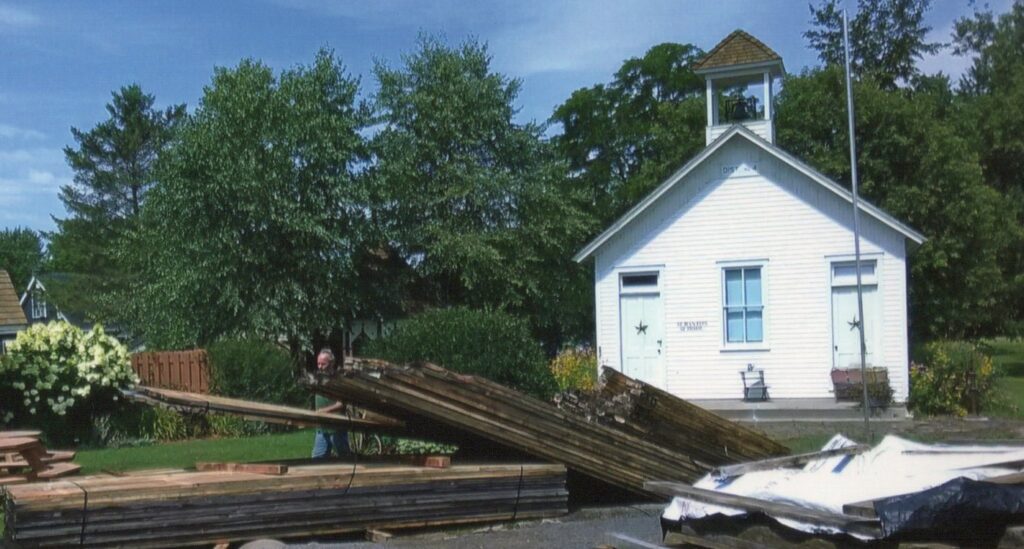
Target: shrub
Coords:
[(575, 368), (953, 377), (56, 377), (491, 344), (255, 370)]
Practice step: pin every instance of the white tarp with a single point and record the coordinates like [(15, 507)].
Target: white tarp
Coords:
[(895, 466)]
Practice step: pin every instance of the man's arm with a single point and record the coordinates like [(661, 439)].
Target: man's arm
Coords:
[(332, 408)]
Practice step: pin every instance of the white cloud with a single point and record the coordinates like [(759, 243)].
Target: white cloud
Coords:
[(11, 132), (11, 16), (30, 182)]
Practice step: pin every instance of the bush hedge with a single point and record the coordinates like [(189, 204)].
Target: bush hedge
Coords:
[(575, 368), (491, 344), (255, 370), (56, 377), (950, 377)]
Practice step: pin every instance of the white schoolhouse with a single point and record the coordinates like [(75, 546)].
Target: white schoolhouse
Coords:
[(743, 259)]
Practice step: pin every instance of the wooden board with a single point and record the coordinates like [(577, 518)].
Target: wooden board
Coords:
[(273, 413)]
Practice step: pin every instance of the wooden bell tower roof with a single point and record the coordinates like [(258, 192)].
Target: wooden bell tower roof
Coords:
[(737, 49)]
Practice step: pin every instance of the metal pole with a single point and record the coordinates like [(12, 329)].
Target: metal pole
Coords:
[(856, 227)]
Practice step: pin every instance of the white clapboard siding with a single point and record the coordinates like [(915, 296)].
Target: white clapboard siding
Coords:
[(763, 210)]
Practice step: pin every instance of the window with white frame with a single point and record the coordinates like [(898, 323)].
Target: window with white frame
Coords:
[(38, 306), (743, 305)]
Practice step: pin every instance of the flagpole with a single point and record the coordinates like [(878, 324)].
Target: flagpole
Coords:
[(856, 228)]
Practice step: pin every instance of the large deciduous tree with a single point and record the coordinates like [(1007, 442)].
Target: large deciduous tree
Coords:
[(474, 201), (113, 165), (622, 138), (916, 165), (253, 224), (887, 37), (21, 255)]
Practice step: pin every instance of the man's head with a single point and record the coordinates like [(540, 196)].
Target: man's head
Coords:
[(325, 360)]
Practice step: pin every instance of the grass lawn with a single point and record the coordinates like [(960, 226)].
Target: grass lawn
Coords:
[(1008, 357), (186, 453)]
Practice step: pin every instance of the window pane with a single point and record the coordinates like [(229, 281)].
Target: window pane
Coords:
[(734, 287), (629, 281), (752, 283), (734, 326), (754, 326)]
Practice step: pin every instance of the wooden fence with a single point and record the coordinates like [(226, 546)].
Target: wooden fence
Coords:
[(178, 370)]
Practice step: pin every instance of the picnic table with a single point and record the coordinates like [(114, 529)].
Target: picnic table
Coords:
[(23, 458)]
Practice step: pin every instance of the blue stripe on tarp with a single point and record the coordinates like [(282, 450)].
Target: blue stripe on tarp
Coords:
[(724, 481), (842, 464)]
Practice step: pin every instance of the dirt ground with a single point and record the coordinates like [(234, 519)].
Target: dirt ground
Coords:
[(949, 430)]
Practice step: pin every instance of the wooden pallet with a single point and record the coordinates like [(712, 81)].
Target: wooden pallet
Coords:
[(435, 402), (181, 508)]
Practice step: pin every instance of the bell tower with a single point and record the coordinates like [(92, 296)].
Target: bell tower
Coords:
[(740, 73)]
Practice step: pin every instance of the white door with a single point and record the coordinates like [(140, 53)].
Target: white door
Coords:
[(642, 337), (845, 335)]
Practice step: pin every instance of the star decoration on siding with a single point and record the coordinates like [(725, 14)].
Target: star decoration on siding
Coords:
[(853, 323), (641, 328)]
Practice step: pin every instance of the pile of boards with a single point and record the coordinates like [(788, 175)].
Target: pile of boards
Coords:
[(179, 508), (645, 411), (24, 458), (434, 402), (198, 403)]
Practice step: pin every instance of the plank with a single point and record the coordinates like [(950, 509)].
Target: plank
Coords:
[(849, 523), (20, 434), (19, 444), (787, 461), (258, 468)]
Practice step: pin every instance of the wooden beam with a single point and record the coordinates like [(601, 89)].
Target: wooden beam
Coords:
[(848, 523), (787, 461), (258, 468)]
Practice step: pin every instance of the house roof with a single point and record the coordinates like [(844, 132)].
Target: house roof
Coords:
[(739, 131), (10, 310), (739, 48)]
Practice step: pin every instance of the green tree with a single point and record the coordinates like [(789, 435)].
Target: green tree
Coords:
[(621, 139), (992, 93), (113, 165), (915, 164), (21, 255), (475, 202), (258, 211), (887, 37)]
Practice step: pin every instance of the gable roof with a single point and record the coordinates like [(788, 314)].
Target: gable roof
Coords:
[(739, 48), (10, 309), (736, 132)]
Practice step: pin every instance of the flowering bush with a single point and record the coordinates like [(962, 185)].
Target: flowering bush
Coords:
[(575, 368), (52, 370), (954, 377)]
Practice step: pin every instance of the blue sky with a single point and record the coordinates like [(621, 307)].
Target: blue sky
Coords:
[(59, 61)]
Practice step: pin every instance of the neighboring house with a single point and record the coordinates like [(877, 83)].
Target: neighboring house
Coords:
[(37, 308), (12, 318), (743, 259)]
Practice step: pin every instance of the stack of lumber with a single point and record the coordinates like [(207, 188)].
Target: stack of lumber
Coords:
[(434, 401), (23, 458), (174, 509), (645, 411), (259, 411)]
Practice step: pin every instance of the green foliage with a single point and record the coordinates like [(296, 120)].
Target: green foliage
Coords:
[(916, 165), (575, 369), (56, 377), (887, 37), (475, 202), (255, 370), (950, 377), (253, 224), (408, 446), (113, 165), (491, 344), (21, 255), (623, 138)]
